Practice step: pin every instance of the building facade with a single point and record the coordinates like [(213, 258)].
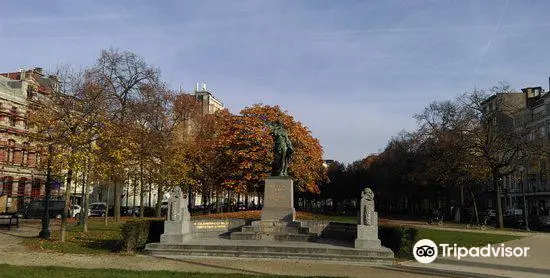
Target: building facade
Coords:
[(22, 176), (209, 103), (528, 113)]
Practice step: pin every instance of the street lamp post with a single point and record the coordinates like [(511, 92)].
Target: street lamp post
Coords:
[(525, 216), (45, 232)]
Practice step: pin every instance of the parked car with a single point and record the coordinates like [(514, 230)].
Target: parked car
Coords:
[(129, 211), (97, 209), (35, 209), (514, 212), (75, 211), (513, 221), (489, 213)]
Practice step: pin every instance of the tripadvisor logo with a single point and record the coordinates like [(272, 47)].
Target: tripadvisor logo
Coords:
[(425, 251)]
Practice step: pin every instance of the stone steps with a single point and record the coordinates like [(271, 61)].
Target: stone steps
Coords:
[(275, 230), (273, 252), (273, 236)]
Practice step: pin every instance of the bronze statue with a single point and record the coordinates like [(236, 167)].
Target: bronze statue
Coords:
[(282, 149)]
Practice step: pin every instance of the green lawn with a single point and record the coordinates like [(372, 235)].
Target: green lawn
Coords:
[(100, 239), (466, 239), (10, 271)]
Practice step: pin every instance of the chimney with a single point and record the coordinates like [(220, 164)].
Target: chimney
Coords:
[(21, 74)]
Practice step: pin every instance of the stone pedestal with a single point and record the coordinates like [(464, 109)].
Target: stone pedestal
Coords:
[(176, 231), (278, 200), (367, 237)]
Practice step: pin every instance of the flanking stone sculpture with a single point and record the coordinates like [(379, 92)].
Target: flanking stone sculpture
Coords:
[(367, 225), (178, 218)]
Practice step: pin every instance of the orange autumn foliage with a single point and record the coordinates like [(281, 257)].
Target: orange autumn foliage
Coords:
[(246, 149)]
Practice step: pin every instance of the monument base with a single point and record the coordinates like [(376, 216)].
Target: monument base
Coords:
[(176, 232), (181, 238), (367, 237), (278, 200)]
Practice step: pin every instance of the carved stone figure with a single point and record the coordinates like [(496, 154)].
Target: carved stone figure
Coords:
[(367, 226), (367, 207), (175, 203), (282, 149)]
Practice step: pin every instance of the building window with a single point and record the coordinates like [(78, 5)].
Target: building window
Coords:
[(11, 148), (21, 187), (542, 131), (13, 116), (25, 159), (7, 186), (38, 157), (35, 189)]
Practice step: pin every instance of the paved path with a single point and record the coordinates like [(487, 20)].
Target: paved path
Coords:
[(449, 226), (14, 253), (537, 264)]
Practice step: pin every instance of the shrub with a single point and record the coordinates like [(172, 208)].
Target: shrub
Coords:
[(400, 240), (134, 234)]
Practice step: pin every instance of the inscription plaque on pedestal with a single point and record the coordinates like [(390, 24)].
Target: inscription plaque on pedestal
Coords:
[(278, 200)]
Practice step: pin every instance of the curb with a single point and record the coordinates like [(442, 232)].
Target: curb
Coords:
[(441, 272)]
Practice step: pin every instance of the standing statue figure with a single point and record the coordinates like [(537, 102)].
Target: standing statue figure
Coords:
[(282, 149), (175, 204), (367, 207)]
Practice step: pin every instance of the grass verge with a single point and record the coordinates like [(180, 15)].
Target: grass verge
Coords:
[(465, 239), (99, 239), (11, 271)]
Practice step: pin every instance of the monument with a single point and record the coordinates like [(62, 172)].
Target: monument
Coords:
[(277, 235), (279, 190), (367, 224), (279, 187), (176, 226)]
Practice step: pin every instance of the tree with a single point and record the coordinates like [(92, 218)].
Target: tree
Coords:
[(246, 146), (71, 117), (122, 76), (494, 140)]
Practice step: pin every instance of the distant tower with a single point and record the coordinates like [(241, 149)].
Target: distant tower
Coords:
[(209, 103)]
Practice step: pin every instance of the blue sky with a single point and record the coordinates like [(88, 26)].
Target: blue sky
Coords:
[(355, 72)]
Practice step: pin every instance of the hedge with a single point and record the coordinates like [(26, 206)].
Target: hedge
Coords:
[(136, 233), (399, 239)]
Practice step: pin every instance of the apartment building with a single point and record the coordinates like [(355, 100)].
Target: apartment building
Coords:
[(532, 120), (22, 176)]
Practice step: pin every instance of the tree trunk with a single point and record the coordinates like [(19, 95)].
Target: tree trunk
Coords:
[(150, 200), (117, 201), (496, 186), (203, 200), (159, 201), (64, 215), (475, 207), (135, 190), (81, 213), (86, 206), (107, 206), (141, 193)]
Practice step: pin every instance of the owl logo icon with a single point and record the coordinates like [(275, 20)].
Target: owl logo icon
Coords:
[(425, 251)]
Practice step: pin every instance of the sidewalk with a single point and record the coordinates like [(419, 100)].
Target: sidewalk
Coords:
[(534, 266)]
